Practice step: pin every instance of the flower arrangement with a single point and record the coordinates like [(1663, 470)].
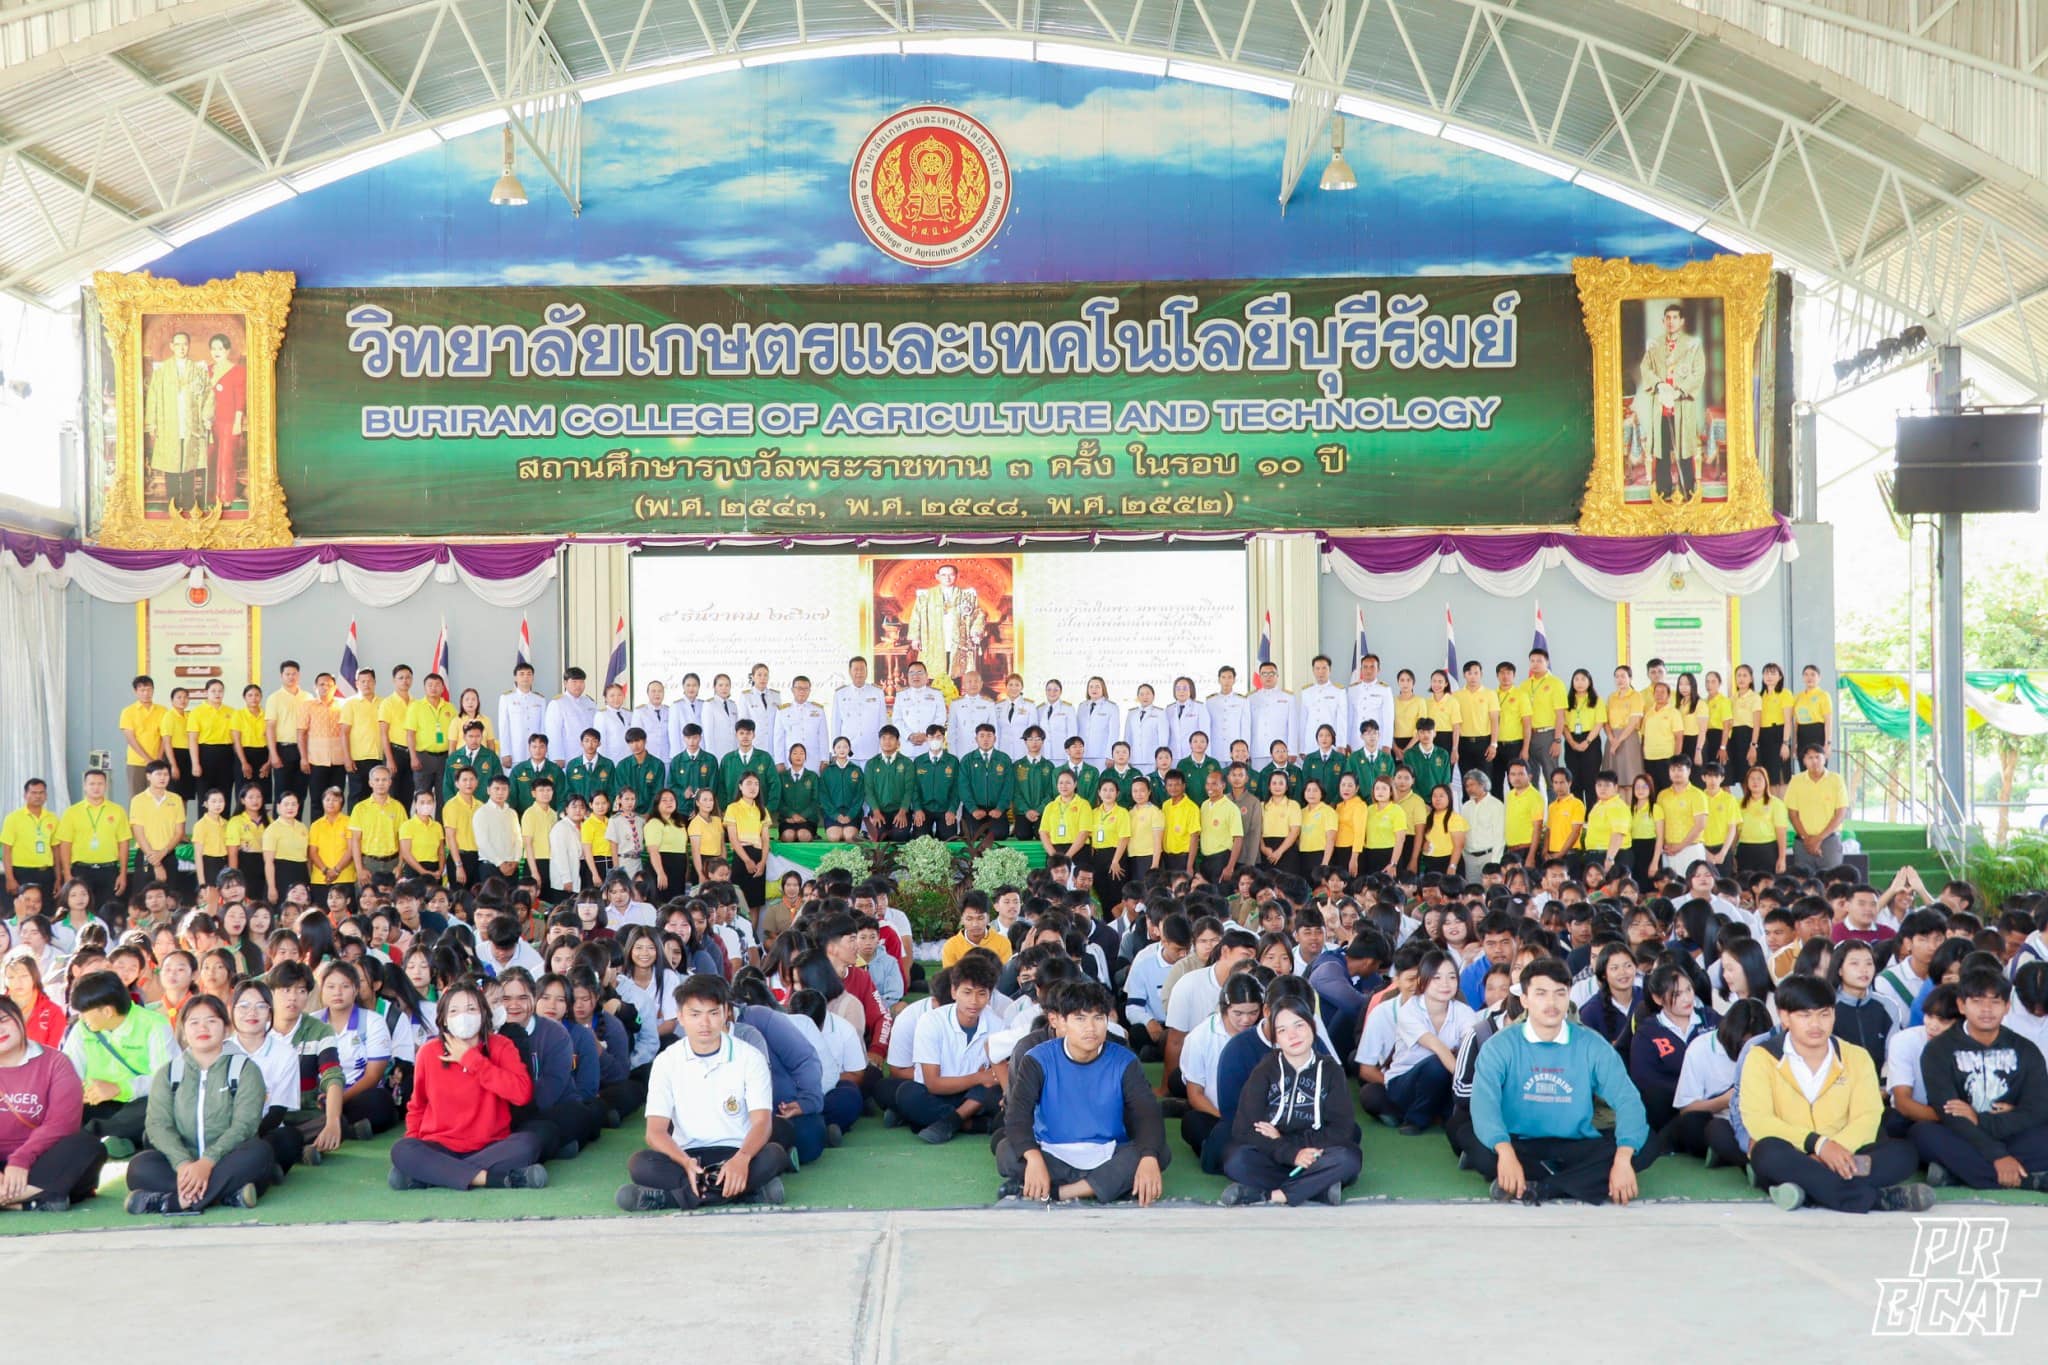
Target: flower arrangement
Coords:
[(851, 858), (1000, 866)]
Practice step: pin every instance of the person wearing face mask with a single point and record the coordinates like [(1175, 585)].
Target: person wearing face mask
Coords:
[(1294, 1137), (205, 1106), (458, 1128)]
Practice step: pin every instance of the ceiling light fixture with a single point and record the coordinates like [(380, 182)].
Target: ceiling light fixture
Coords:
[(1338, 175), (508, 192)]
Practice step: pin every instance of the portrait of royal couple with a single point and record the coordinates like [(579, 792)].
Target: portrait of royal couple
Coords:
[(195, 421)]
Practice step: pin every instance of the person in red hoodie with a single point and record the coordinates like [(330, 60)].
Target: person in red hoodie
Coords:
[(48, 1163), (458, 1126), (44, 1017)]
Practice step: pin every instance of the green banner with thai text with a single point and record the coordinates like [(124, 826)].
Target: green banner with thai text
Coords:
[(820, 411)]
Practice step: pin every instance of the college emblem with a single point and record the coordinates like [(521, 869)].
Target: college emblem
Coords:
[(732, 1104), (930, 186)]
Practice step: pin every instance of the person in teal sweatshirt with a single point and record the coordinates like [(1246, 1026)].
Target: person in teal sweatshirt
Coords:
[(1532, 1104)]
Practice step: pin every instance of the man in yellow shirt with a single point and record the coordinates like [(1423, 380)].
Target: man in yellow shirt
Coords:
[(1183, 826), (362, 737), (1818, 803), (145, 725), (428, 725), (158, 820), (1564, 824), (1222, 837), (28, 845), (1478, 723), (974, 932), (1544, 701), (1608, 823), (1524, 817), (1514, 729), (394, 725), (1682, 818), (284, 716), (92, 841), (373, 828), (1724, 816), (459, 815)]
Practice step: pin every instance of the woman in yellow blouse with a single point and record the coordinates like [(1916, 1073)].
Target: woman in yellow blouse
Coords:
[(327, 857), (1813, 715), (1279, 825), (284, 848), (245, 839), (1109, 837), (1714, 733), (706, 833), (1408, 709), (1642, 829), (420, 840), (1744, 710), (595, 839), (668, 844), (1318, 828), (1067, 820), (1692, 711), (1663, 729), (1624, 732), (251, 745), (746, 829), (1386, 830), (469, 708), (1760, 833), (210, 838), (1773, 749), (1443, 833), (1148, 827), (1442, 708), (1585, 727), (1349, 840)]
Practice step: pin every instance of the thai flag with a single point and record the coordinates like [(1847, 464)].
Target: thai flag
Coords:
[(1450, 645), (1542, 640), (1359, 649), (439, 663), (345, 681), (525, 658), (615, 667), (1265, 643)]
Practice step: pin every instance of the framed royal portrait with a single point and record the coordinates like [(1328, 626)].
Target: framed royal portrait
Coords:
[(1674, 395), (193, 392), (955, 614)]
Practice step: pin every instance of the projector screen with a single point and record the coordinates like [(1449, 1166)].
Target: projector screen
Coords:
[(1132, 616)]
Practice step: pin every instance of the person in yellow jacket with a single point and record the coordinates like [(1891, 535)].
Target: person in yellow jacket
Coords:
[(1812, 1107)]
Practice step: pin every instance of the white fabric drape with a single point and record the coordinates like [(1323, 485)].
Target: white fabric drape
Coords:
[(1523, 579), (32, 679)]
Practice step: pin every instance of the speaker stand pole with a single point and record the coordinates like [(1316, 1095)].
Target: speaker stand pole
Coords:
[(1950, 734)]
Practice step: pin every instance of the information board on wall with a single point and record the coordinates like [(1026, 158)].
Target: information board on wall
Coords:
[(186, 637), (1690, 628)]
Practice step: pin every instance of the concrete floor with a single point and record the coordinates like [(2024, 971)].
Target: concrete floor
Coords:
[(908, 1288)]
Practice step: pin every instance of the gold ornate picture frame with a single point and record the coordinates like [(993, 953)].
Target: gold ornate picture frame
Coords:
[(1674, 401), (195, 411)]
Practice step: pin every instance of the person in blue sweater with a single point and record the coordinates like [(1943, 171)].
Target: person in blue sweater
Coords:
[(1532, 1104), (552, 994), (799, 1121), (1497, 945), (618, 1093), (554, 1115), (1081, 1121)]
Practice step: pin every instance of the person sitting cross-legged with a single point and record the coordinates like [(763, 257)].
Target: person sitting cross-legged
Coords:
[(1532, 1104), (710, 1102), (1989, 1086), (1812, 1108), (955, 1083), (1294, 1137), (458, 1123), (1081, 1121)]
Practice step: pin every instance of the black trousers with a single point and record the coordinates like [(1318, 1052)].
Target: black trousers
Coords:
[(359, 783), (1955, 1153), (430, 1163), (1251, 1166), (1584, 766), (287, 777), (1562, 1168), (1472, 759), (1696, 1134), (98, 876), (69, 1168), (973, 827), (1021, 828), (401, 775), (1110, 1181), (116, 1119), (324, 778), (220, 770), (1778, 1162), (376, 1105), (569, 1121), (660, 1172), (249, 1164)]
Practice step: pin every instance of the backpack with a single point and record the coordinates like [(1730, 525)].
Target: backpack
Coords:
[(236, 1061)]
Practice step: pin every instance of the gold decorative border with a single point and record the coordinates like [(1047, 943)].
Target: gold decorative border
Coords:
[(1742, 283), (262, 300)]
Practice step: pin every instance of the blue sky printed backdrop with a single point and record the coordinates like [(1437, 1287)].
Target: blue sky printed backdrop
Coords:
[(742, 178)]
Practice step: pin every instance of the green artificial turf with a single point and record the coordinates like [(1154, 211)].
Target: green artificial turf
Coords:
[(877, 1168)]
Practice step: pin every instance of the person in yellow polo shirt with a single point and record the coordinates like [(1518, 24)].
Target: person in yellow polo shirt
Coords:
[(252, 748), (1183, 825), (1067, 820), (1478, 722), (362, 739), (1318, 828), (92, 841), (1609, 822), (1813, 714), (1817, 803), (1774, 713), (373, 827), (1564, 823), (430, 725), (1411, 803), (420, 839), (1545, 703), (1349, 839), (1682, 818), (1514, 726), (1663, 735), (1724, 811), (330, 859), (1223, 834), (210, 735), (146, 726), (1523, 820), (1761, 826), (459, 817), (1624, 729), (1148, 827), (284, 716), (394, 723), (284, 849), (1387, 829), (158, 819), (28, 844), (1109, 837)]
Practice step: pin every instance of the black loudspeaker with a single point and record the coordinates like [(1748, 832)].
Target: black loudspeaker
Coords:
[(1968, 462)]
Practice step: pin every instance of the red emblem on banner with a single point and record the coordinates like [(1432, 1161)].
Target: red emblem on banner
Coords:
[(930, 186)]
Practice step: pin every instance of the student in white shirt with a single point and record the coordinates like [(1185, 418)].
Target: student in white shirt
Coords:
[(1905, 1085), (842, 1058), (1706, 1086), (363, 1045), (710, 1101), (1415, 1049), (1242, 1006), (646, 983), (956, 1082)]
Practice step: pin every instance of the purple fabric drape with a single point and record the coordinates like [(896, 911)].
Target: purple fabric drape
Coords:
[(1498, 552)]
